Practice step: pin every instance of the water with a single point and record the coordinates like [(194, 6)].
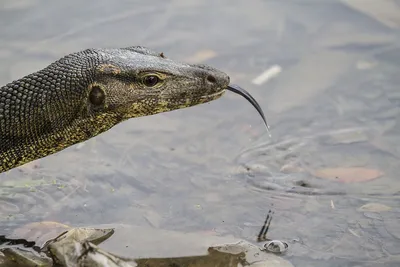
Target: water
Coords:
[(213, 169)]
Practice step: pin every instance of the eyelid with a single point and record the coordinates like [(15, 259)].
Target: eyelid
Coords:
[(160, 75)]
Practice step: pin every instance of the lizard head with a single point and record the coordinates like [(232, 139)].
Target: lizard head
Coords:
[(86, 93), (136, 81)]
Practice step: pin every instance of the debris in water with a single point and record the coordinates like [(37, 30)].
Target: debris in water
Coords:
[(374, 207), (201, 56), (267, 75), (349, 174)]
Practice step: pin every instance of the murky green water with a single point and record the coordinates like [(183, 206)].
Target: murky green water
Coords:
[(213, 169)]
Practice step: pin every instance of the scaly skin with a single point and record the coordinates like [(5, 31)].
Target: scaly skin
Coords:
[(86, 93)]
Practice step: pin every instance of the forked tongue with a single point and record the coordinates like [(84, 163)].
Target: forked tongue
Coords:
[(240, 91)]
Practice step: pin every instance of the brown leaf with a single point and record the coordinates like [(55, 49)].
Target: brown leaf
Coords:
[(201, 56), (291, 168), (374, 207), (348, 175)]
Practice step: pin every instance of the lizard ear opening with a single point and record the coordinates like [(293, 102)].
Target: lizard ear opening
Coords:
[(96, 95)]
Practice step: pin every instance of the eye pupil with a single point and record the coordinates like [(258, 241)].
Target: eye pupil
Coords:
[(96, 96), (151, 80)]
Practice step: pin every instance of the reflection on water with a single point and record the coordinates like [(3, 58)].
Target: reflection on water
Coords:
[(334, 107)]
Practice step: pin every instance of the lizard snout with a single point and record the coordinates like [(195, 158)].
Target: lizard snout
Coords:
[(221, 80), (214, 78)]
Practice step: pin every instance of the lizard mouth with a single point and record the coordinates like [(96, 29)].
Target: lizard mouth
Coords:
[(213, 95)]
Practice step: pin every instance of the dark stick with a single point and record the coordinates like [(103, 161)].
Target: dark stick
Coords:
[(262, 236)]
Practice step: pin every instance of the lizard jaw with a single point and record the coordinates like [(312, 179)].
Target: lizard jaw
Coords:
[(213, 96)]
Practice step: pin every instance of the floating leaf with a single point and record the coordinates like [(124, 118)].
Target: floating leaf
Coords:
[(386, 12), (348, 175), (374, 207), (201, 56)]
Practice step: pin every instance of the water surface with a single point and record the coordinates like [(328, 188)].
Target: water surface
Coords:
[(213, 169)]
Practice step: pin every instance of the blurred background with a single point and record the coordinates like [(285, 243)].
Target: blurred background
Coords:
[(326, 73)]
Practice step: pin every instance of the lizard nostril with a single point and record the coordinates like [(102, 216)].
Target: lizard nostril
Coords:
[(211, 79)]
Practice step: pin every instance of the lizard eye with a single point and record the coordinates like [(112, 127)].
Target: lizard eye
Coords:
[(150, 80), (96, 96)]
